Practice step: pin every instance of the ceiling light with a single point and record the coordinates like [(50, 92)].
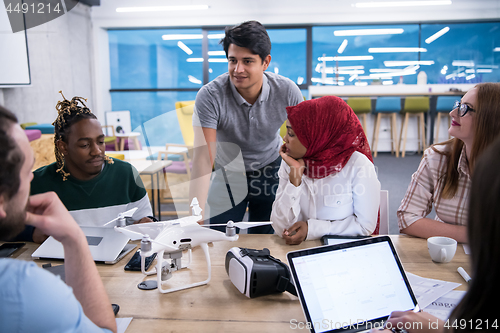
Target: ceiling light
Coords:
[(395, 49), (367, 32), (342, 46), (184, 48), (463, 63), (160, 8), (360, 84), (470, 77), (408, 63), (353, 77), (217, 60), (384, 70), (387, 83), (182, 36), (193, 79), (496, 49), (451, 76), (437, 35), (333, 70), (345, 58), (484, 70), (402, 3), (216, 36), (300, 80), (209, 60), (216, 53)]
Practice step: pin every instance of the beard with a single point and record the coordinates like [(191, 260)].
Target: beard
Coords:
[(13, 223)]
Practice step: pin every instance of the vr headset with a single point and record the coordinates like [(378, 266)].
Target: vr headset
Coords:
[(256, 273)]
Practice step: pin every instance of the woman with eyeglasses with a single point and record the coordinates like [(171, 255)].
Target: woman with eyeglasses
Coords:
[(444, 174)]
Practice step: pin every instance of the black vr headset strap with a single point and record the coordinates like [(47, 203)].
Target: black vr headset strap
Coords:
[(284, 282)]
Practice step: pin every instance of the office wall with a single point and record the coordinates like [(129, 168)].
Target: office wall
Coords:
[(61, 58)]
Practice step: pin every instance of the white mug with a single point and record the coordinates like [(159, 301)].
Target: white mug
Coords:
[(441, 249)]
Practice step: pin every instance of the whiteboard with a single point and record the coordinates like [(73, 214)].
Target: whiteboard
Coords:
[(14, 63)]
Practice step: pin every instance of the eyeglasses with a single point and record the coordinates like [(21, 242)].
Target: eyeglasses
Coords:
[(462, 108)]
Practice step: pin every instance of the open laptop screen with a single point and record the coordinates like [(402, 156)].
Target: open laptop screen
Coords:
[(350, 286)]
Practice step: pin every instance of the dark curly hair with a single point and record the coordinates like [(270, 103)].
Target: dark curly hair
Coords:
[(251, 35), (68, 113), (11, 156)]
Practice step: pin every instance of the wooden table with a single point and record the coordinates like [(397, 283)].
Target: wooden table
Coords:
[(152, 168), (126, 136), (219, 306)]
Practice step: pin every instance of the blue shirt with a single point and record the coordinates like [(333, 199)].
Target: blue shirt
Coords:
[(35, 300)]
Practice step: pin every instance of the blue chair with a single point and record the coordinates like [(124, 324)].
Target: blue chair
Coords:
[(44, 128), (387, 106), (443, 106)]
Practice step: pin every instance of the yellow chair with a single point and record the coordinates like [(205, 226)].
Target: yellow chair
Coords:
[(117, 156), (24, 125), (175, 173), (111, 138), (414, 106), (283, 127), (361, 107)]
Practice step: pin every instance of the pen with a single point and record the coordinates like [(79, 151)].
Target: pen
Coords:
[(464, 274)]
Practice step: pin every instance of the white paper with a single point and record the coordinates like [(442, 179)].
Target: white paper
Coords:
[(443, 306), (428, 290), (122, 324)]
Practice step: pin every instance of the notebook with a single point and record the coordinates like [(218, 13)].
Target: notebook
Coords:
[(350, 287), (105, 244)]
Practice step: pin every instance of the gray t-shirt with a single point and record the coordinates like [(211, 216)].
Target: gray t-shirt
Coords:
[(252, 129)]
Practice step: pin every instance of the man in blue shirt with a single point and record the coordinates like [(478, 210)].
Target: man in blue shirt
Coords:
[(32, 299)]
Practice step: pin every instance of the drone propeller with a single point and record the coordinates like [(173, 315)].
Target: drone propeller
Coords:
[(133, 235), (128, 213), (241, 225)]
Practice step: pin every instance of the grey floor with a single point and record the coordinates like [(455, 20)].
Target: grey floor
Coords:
[(394, 175)]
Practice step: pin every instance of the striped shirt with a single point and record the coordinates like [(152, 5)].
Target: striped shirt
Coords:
[(425, 189)]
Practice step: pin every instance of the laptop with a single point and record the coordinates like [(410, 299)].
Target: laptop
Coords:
[(106, 245), (352, 286)]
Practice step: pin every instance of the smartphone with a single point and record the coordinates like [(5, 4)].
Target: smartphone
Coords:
[(134, 264), (7, 249)]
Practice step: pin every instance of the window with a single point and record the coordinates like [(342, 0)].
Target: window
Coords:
[(462, 53)]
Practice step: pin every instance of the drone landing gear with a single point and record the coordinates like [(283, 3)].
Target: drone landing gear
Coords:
[(164, 272)]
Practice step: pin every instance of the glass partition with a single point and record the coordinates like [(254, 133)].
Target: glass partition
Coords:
[(362, 55), (462, 53), (155, 58)]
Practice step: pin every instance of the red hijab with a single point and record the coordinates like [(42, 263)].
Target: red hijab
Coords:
[(330, 131)]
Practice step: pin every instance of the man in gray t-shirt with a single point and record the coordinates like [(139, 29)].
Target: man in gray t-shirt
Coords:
[(238, 116)]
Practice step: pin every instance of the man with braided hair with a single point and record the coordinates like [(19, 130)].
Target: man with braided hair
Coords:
[(94, 188)]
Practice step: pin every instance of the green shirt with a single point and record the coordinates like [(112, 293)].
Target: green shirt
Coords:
[(94, 202)]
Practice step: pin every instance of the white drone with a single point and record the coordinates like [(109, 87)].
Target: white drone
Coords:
[(121, 219), (170, 238)]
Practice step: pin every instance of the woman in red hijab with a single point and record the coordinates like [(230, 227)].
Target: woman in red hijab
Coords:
[(328, 184)]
